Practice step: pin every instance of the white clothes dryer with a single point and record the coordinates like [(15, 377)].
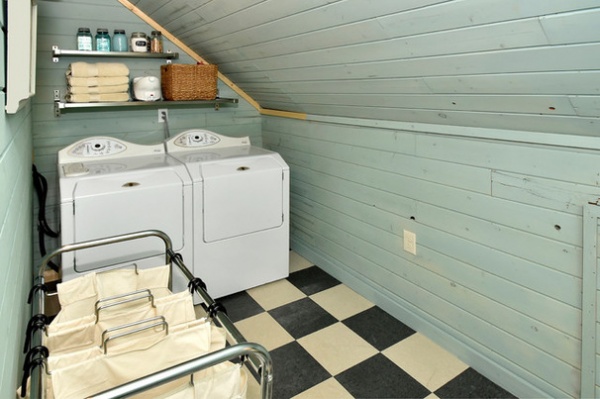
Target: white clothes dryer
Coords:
[(241, 210), (110, 187)]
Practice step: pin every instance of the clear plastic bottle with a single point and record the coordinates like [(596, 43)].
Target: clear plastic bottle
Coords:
[(119, 41), (156, 42), (102, 40), (84, 39)]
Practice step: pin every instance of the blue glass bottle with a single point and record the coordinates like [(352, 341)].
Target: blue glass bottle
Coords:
[(102, 40), (84, 39), (119, 41)]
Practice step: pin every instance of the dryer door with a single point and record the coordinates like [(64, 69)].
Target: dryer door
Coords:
[(127, 203), (241, 196)]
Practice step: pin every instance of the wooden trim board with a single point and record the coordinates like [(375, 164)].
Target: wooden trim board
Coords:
[(264, 111)]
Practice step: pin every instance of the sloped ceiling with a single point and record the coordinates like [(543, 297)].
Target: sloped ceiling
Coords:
[(510, 64)]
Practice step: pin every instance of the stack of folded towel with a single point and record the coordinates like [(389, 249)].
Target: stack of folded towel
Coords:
[(99, 82)]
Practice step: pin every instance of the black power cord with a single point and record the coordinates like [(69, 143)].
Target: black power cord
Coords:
[(40, 185)]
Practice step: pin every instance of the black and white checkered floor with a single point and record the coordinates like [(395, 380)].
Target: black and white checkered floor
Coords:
[(327, 341)]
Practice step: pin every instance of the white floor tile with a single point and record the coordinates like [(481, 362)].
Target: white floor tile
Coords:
[(341, 301), (425, 361), (275, 294), (337, 348), (328, 389), (264, 330), (297, 262)]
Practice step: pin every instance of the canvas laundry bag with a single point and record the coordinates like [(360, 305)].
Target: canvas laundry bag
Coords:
[(222, 381), (65, 337), (211, 334), (130, 358), (78, 297), (66, 367)]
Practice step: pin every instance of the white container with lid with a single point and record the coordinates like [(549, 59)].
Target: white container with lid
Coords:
[(139, 42)]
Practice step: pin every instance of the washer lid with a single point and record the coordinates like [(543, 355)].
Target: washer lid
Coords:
[(241, 196), (120, 204), (98, 169)]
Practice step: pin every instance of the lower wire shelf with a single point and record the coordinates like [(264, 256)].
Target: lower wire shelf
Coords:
[(62, 106)]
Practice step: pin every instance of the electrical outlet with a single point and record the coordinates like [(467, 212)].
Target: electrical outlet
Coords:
[(163, 115), (410, 242)]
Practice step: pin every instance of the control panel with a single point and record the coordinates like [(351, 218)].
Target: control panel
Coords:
[(198, 139), (97, 147), (101, 148)]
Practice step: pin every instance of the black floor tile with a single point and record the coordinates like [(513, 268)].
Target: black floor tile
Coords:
[(471, 384), (302, 317), (379, 377), (378, 328), (240, 306), (312, 280), (295, 371)]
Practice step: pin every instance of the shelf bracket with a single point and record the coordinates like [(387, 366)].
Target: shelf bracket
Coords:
[(56, 103), (217, 103)]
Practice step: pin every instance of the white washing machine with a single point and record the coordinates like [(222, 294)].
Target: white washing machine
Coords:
[(110, 187), (241, 210)]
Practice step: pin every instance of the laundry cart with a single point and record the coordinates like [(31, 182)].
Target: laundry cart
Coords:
[(122, 332)]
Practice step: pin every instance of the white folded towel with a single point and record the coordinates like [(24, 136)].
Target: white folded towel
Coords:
[(97, 81), (98, 89), (86, 70)]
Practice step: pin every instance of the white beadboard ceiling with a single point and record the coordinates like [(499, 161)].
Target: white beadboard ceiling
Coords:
[(510, 64)]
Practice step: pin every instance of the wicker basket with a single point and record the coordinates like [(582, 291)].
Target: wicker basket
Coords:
[(188, 82)]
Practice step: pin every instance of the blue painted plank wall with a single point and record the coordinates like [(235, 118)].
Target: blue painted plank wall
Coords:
[(15, 242), (15, 235), (497, 275)]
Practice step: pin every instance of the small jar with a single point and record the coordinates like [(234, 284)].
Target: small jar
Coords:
[(119, 41), (156, 42), (139, 42), (84, 40), (102, 40)]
